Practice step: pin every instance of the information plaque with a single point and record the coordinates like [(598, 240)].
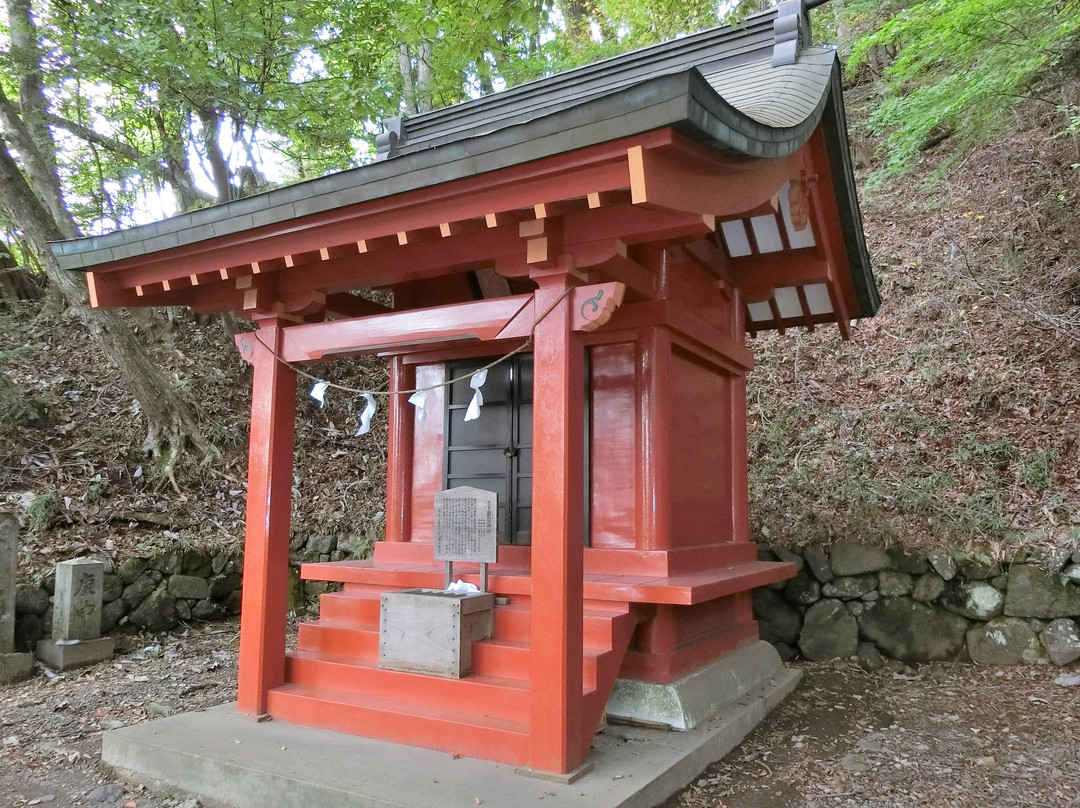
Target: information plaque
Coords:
[(465, 525)]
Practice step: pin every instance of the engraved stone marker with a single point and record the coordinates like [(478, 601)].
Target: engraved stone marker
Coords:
[(9, 551), (12, 666), (77, 602), (465, 524), (76, 635)]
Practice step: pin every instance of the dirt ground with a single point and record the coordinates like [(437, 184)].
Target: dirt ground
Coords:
[(941, 735)]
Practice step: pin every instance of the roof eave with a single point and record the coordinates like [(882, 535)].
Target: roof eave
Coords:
[(683, 101)]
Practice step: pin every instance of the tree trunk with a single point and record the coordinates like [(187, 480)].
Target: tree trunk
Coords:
[(177, 169), (171, 420), (219, 167), (28, 127), (425, 94), (577, 22), (16, 282), (408, 91)]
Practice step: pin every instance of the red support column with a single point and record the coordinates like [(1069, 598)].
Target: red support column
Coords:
[(740, 488), (656, 425), (269, 502), (400, 453), (557, 536)]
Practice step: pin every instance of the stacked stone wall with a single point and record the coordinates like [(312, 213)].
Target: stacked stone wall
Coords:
[(883, 607), (158, 593), (848, 601), (148, 594)]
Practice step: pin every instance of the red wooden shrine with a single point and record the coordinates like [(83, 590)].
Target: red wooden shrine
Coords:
[(631, 255)]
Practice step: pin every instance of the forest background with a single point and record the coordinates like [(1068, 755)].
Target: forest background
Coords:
[(953, 417)]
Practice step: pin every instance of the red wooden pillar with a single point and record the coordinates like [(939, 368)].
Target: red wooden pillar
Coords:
[(740, 487), (557, 536), (269, 501), (400, 453), (656, 424)]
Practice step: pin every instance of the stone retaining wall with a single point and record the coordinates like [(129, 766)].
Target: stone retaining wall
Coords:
[(848, 601), (887, 607), (150, 594), (155, 594)]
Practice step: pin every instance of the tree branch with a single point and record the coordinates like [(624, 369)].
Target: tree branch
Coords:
[(82, 132), (44, 180)]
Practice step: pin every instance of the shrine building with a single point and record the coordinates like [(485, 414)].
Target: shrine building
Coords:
[(614, 234)]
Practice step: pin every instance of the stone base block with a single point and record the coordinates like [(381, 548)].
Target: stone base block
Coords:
[(64, 655), (699, 696), (15, 667)]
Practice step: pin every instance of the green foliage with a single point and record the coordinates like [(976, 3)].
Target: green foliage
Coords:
[(960, 65), (973, 451), (41, 514), (1038, 469)]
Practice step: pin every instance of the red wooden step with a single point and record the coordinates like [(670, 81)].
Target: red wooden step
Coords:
[(359, 607), (507, 659), (513, 621), (340, 639), (451, 731), (513, 659), (483, 695)]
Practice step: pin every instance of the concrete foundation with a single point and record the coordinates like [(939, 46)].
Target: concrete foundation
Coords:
[(62, 655), (698, 697), (15, 667), (229, 762)]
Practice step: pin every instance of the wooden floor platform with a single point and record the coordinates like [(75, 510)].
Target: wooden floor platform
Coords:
[(676, 590)]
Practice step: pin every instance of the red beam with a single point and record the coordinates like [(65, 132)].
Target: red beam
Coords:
[(484, 320), (759, 274), (402, 264), (635, 225), (826, 218)]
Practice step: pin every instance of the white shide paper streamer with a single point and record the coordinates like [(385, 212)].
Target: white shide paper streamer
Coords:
[(365, 416), (476, 382), (318, 392), (418, 399)]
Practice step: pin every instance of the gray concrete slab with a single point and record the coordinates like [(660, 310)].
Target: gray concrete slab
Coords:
[(226, 760)]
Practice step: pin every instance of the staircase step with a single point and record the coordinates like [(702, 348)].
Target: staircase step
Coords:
[(484, 695), (359, 607), (451, 731), (507, 659), (513, 621), (512, 659), (339, 639)]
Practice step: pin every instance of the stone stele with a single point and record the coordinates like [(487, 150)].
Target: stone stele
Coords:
[(13, 666), (76, 636)]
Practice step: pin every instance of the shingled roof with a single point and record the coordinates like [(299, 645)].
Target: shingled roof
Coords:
[(756, 90)]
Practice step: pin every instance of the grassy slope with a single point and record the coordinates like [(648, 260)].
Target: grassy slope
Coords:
[(954, 414)]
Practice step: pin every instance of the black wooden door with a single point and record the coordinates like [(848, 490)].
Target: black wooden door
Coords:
[(494, 452)]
